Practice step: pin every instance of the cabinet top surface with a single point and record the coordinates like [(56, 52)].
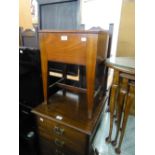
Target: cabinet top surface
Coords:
[(73, 110), (75, 31)]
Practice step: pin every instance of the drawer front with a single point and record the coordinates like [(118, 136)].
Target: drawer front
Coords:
[(71, 48), (62, 136), (49, 148)]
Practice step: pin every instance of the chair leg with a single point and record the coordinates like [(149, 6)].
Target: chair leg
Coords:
[(129, 102)]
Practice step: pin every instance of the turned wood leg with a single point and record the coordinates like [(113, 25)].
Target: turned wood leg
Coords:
[(112, 102), (119, 106), (130, 99), (121, 97)]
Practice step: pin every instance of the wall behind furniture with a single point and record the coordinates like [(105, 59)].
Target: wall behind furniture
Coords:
[(102, 13), (25, 18), (126, 37)]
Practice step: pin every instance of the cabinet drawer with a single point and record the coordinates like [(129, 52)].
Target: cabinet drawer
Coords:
[(49, 148), (58, 134), (67, 47)]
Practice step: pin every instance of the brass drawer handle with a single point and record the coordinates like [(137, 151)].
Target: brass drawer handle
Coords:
[(59, 142), (58, 131), (58, 152)]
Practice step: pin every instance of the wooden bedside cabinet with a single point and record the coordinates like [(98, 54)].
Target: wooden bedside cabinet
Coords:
[(85, 48)]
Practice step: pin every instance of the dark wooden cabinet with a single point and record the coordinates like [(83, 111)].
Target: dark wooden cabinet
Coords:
[(63, 126), (68, 119)]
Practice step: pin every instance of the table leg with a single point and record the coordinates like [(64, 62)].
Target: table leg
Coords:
[(90, 73), (44, 66), (113, 97), (120, 105), (130, 98)]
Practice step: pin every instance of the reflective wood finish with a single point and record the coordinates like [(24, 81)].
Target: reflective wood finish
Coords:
[(63, 124)]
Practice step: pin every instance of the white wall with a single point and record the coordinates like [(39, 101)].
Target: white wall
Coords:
[(102, 13)]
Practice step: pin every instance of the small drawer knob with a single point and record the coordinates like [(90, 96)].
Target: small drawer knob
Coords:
[(59, 131)]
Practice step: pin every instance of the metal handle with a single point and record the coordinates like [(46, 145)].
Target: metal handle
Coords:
[(58, 131), (59, 142), (58, 152)]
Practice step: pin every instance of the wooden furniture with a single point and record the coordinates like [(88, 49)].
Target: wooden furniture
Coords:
[(68, 123), (84, 48), (63, 126), (129, 93), (122, 95)]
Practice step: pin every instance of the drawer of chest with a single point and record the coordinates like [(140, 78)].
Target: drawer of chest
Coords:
[(49, 148), (60, 135)]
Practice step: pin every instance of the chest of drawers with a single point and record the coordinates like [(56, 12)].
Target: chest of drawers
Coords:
[(63, 127), (62, 138)]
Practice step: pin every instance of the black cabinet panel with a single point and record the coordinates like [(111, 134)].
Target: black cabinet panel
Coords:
[(59, 16), (62, 15)]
